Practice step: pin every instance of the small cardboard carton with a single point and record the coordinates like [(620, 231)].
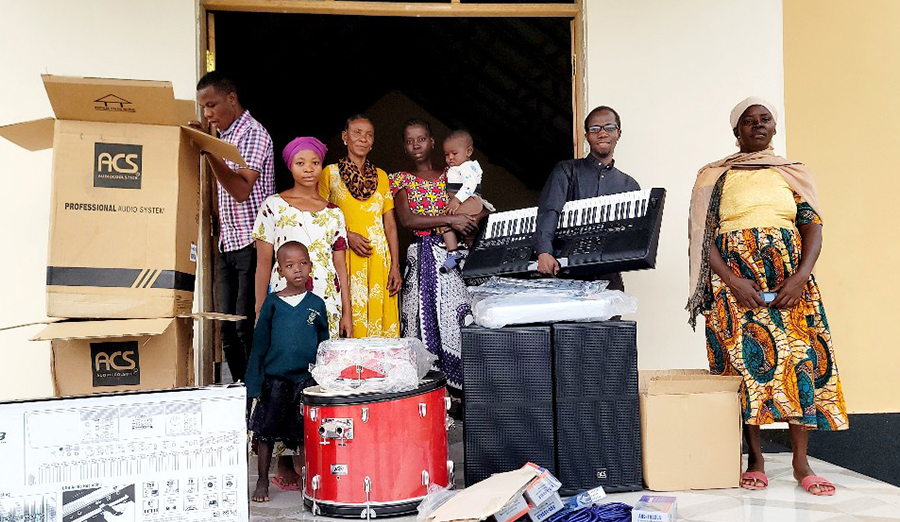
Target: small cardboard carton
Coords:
[(513, 510), (690, 430), (122, 354), (542, 488), (651, 508), (546, 509), (125, 196)]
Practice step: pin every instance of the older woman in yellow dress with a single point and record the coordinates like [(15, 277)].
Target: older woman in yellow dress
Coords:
[(755, 234), (363, 193)]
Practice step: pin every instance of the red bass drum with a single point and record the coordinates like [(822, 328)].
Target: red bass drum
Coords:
[(374, 454)]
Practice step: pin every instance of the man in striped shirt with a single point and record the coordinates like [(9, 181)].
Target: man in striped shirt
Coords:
[(241, 191)]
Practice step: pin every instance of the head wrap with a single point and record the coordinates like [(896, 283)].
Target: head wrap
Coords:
[(303, 143), (739, 109)]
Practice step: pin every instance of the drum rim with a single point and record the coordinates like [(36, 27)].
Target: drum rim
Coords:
[(348, 510), (436, 381), (354, 505)]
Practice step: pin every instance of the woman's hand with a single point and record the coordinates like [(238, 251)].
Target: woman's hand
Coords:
[(746, 292), (359, 244), (790, 291), (463, 224), (345, 326), (395, 280)]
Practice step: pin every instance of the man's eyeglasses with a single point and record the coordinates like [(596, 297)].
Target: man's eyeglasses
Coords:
[(609, 127)]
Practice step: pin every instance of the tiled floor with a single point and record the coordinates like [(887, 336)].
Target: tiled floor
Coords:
[(858, 498)]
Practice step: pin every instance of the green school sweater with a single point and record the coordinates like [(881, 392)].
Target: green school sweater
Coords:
[(285, 340)]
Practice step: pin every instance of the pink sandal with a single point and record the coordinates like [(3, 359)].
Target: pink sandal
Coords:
[(810, 481), (756, 476), (278, 481)]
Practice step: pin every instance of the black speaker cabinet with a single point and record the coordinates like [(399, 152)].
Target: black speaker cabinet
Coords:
[(598, 431), (508, 394)]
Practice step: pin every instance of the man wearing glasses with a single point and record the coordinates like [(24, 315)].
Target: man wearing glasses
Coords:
[(592, 176)]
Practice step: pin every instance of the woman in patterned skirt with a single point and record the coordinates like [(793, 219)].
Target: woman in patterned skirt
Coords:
[(363, 193), (755, 234), (435, 305)]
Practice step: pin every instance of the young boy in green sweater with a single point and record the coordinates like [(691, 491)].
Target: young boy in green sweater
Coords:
[(290, 325)]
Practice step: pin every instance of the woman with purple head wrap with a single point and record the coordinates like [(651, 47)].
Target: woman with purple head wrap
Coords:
[(301, 214)]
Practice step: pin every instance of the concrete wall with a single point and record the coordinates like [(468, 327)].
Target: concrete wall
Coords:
[(673, 72), (109, 38), (841, 85)]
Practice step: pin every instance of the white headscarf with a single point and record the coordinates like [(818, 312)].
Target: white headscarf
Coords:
[(739, 109)]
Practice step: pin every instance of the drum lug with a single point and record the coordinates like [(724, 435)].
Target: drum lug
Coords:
[(365, 414), (423, 409), (303, 477), (313, 413), (447, 402), (425, 478), (367, 512), (316, 480), (451, 473)]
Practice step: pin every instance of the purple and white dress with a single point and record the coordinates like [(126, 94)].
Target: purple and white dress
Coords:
[(434, 306)]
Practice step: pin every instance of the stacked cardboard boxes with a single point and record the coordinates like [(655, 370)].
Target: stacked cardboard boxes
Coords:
[(123, 231)]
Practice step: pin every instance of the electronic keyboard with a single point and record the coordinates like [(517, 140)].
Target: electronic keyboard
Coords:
[(595, 236)]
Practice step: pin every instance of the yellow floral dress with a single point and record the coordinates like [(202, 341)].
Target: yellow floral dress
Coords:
[(375, 313), (323, 233)]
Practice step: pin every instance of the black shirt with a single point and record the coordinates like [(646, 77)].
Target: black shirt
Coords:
[(572, 180)]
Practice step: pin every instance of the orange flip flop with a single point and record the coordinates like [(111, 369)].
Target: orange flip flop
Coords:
[(283, 485), (812, 480), (757, 476)]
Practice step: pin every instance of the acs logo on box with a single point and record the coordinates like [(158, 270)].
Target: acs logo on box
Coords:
[(115, 363), (117, 165)]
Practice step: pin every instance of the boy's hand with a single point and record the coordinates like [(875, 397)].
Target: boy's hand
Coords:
[(345, 327), (453, 205)]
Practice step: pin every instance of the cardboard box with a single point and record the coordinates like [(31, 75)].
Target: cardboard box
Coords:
[(513, 510), (125, 196), (120, 354), (484, 499), (690, 430), (117, 355), (147, 456), (547, 509), (655, 509), (542, 488)]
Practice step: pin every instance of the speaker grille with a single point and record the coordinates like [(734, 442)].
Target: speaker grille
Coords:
[(503, 437), (597, 407), (508, 393)]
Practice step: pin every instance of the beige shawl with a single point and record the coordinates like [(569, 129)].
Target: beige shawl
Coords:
[(703, 218)]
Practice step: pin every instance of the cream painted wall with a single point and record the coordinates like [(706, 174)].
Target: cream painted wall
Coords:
[(841, 83), (673, 73), (109, 38), (665, 66)]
